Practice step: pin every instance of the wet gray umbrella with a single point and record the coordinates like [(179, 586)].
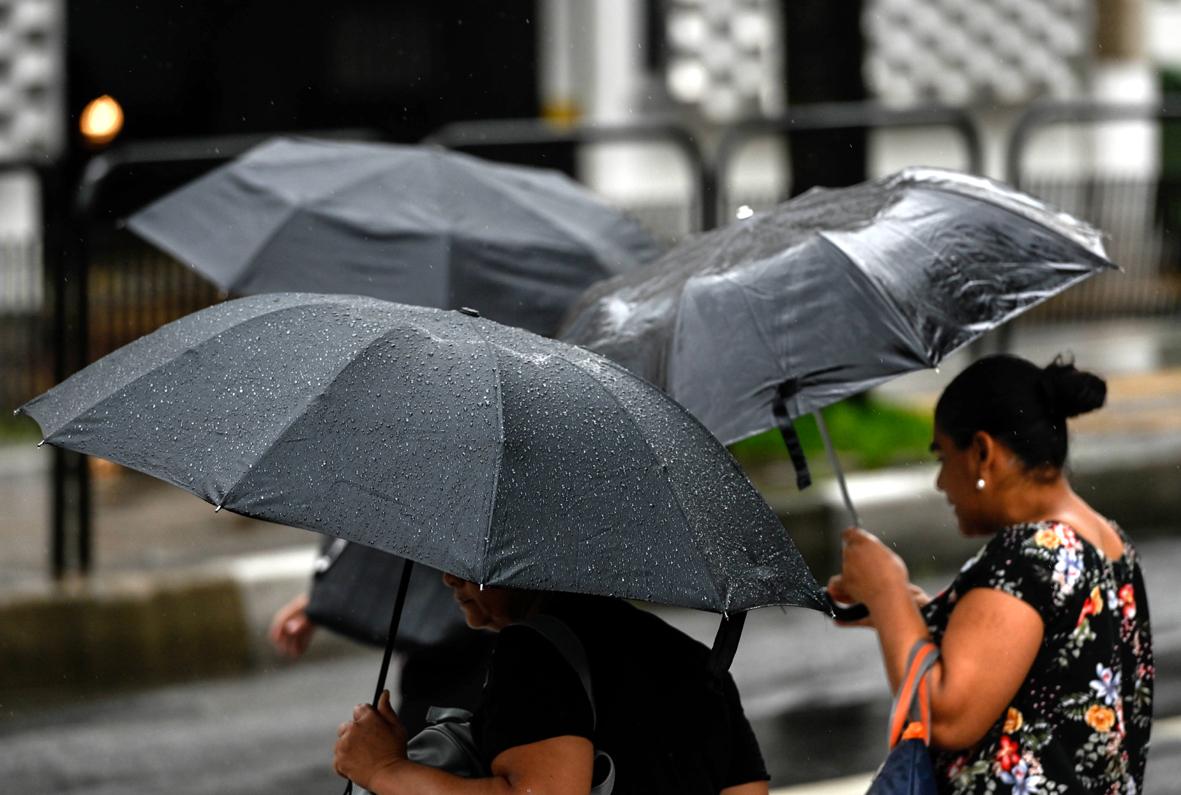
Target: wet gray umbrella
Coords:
[(832, 293), (478, 449), (403, 223)]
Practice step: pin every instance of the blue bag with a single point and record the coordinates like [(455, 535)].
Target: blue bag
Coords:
[(908, 769)]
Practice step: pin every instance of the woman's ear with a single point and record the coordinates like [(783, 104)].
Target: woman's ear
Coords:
[(984, 449), (995, 461)]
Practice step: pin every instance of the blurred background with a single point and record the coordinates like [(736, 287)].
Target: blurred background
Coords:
[(131, 617)]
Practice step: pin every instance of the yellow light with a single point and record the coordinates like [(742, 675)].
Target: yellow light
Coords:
[(101, 120)]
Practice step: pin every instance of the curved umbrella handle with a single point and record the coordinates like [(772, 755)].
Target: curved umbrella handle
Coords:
[(846, 613)]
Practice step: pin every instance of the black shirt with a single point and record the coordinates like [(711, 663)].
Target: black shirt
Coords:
[(669, 725)]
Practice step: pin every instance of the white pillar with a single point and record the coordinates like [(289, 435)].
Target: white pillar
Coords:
[(636, 174)]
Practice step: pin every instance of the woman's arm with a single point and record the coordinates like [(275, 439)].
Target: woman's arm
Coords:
[(990, 643), (371, 751), (753, 788)]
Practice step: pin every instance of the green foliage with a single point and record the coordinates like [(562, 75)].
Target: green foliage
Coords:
[(868, 434), (17, 429)]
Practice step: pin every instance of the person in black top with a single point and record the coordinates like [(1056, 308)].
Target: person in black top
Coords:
[(669, 724)]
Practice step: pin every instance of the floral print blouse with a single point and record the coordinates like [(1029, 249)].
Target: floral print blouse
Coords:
[(1081, 720)]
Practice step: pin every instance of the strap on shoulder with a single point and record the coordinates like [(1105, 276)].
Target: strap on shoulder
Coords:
[(912, 704), (562, 638)]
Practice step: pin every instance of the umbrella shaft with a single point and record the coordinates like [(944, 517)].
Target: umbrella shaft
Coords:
[(395, 619), (836, 468)]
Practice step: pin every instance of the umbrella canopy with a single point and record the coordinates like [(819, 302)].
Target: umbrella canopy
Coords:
[(403, 223), (478, 449), (832, 293)]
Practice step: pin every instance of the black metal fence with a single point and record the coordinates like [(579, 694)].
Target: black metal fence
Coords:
[(25, 344), (1140, 215)]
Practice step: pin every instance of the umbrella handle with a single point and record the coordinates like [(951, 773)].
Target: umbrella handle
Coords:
[(395, 619), (848, 614)]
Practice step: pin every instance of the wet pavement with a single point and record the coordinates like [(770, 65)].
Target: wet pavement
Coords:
[(815, 694)]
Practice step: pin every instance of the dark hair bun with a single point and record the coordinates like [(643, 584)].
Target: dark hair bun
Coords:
[(1070, 391)]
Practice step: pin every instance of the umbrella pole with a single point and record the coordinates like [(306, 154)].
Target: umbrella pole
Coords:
[(395, 619), (836, 468)]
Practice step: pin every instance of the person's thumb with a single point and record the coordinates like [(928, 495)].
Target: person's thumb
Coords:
[(385, 709)]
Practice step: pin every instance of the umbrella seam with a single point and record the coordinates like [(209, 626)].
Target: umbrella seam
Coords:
[(122, 387), (730, 277), (302, 411), (586, 242), (252, 259), (1041, 209), (667, 481), (295, 208), (493, 349), (732, 463), (1081, 277), (891, 305), (741, 473)]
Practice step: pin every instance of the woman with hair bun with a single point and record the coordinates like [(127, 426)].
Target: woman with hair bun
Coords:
[(1045, 677)]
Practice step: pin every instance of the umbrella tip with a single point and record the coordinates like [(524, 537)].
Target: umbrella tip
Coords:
[(217, 508), (467, 310), (41, 443)]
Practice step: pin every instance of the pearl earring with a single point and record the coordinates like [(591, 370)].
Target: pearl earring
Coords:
[(980, 484)]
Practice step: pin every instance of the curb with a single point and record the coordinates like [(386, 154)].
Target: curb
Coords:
[(123, 630)]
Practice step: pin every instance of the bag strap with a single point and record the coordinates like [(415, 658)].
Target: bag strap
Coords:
[(562, 638), (910, 714)]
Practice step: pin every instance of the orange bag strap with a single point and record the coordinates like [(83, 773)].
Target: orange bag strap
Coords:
[(910, 714)]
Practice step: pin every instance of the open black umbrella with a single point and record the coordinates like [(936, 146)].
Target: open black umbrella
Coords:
[(475, 448), (832, 293), (478, 449), (404, 223)]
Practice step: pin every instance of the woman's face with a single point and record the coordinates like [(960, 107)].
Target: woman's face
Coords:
[(490, 608), (958, 472)]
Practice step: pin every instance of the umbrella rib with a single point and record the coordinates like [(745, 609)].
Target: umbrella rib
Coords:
[(492, 349), (556, 221), (639, 431), (251, 261), (891, 305), (1041, 214), (91, 406), (310, 207), (296, 415)]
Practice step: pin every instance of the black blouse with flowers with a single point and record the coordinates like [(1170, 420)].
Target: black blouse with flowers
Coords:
[(1081, 720)]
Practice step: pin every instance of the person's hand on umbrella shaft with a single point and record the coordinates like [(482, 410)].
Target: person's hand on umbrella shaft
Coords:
[(869, 570), (372, 742)]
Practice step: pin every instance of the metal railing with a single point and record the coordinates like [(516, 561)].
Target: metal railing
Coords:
[(823, 117), (494, 133), (101, 288), (1141, 215)]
